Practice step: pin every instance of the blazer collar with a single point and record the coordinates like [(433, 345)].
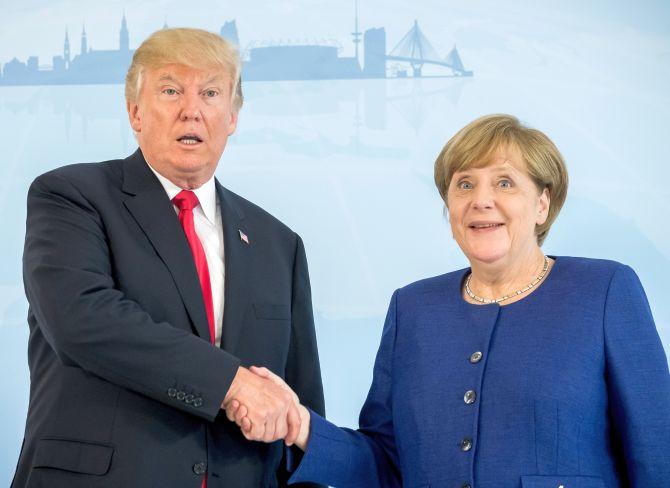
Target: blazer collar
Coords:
[(239, 275), (151, 208), (148, 203)]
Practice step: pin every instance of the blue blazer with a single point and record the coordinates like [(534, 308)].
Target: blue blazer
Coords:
[(567, 387)]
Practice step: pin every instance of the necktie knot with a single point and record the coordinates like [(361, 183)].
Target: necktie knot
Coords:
[(186, 200)]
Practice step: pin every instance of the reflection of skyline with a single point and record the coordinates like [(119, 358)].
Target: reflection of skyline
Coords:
[(367, 104), (305, 60)]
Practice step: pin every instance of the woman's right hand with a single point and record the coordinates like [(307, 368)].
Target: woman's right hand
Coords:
[(238, 412)]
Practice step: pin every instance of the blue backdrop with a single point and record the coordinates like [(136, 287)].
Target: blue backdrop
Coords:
[(347, 163)]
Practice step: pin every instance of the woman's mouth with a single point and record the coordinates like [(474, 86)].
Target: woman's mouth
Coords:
[(484, 226)]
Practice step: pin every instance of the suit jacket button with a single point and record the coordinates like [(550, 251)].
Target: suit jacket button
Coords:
[(181, 395), (466, 445), (466, 485), (469, 397), (172, 392), (475, 357), (199, 468), (189, 398), (197, 402)]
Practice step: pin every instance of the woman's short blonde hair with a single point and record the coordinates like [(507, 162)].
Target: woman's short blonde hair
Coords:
[(194, 48), (475, 144)]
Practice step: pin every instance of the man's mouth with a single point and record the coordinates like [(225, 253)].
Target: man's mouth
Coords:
[(189, 139)]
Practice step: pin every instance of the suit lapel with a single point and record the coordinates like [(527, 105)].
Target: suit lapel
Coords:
[(237, 257), (149, 205)]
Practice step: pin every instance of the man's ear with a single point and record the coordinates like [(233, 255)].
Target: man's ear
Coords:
[(134, 115), (234, 114)]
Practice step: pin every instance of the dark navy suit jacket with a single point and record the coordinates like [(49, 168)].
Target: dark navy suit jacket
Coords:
[(572, 389), (126, 388)]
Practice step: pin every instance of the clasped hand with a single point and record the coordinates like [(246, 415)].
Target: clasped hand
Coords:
[(265, 408)]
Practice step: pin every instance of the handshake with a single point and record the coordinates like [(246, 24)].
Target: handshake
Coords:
[(265, 408)]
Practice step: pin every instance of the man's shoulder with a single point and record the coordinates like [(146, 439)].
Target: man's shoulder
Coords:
[(83, 175)]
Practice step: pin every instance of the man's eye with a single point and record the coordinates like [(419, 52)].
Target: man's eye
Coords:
[(170, 91), (211, 93)]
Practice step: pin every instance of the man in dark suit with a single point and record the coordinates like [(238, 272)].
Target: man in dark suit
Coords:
[(152, 288)]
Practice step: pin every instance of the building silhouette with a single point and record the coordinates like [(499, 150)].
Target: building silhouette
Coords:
[(374, 52), (279, 61)]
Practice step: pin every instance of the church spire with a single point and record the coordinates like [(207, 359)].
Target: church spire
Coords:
[(66, 49), (124, 44)]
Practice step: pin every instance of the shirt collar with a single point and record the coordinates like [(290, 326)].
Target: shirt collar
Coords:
[(206, 193)]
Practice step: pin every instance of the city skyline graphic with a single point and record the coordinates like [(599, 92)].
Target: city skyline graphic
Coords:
[(262, 61)]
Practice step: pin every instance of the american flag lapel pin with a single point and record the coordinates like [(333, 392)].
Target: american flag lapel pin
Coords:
[(243, 236)]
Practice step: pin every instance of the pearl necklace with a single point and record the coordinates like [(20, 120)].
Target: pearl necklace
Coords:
[(513, 294)]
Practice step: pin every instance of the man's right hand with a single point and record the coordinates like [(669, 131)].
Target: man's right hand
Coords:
[(270, 409)]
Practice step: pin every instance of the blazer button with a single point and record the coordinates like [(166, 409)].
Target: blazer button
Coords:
[(466, 445), (199, 468), (189, 399), (172, 392), (197, 402), (475, 357), (466, 485), (181, 395), (469, 397)]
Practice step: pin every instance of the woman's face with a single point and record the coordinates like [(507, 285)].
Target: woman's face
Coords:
[(493, 210)]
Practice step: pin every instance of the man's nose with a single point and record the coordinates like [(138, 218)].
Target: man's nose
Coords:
[(191, 107)]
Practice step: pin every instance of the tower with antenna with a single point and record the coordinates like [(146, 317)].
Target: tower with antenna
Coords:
[(84, 43), (356, 34)]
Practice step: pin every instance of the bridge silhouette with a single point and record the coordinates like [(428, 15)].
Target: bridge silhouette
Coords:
[(415, 48)]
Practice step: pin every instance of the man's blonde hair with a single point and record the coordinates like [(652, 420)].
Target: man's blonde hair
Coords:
[(194, 48), (475, 144)]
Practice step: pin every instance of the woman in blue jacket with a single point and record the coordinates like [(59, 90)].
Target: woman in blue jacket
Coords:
[(522, 370)]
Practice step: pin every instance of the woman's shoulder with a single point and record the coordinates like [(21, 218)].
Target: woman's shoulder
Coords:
[(593, 277), (435, 285), (590, 267)]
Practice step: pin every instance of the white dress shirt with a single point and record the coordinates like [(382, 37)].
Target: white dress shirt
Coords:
[(209, 227)]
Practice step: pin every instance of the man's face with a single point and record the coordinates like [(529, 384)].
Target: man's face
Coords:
[(183, 117)]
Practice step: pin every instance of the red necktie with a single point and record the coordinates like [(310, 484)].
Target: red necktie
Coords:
[(186, 201)]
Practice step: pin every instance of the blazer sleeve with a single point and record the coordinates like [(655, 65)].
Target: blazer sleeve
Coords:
[(69, 282), (363, 458), (638, 382), (303, 372)]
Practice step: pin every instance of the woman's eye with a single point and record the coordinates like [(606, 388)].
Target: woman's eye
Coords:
[(505, 184), (465, 185), (211, 93)]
